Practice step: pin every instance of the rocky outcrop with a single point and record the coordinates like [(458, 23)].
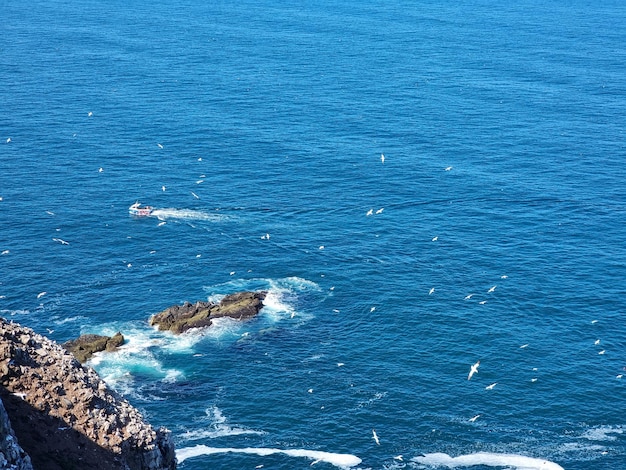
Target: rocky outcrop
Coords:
[(85, 346), (65, 417), (12, 456), (180, 318)]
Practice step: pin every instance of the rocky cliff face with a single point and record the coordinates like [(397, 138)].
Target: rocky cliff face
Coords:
[(65, 417), (11, 454)]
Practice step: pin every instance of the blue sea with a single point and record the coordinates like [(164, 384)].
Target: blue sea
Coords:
[(419, 186)]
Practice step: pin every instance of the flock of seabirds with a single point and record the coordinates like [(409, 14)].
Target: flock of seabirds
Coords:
[(435, 459)]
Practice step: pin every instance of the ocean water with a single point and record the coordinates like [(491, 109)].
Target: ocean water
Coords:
[(493, 229)]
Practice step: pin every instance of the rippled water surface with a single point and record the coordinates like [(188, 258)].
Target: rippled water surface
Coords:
[(492, 230)]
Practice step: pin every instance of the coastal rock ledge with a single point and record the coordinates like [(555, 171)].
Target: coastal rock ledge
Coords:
[(64, 416), (180, 318)]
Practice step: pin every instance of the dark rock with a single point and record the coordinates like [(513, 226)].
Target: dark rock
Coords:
[(180, 318), (85, 346)]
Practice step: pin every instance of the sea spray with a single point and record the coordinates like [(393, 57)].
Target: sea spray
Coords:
[(338, 460)]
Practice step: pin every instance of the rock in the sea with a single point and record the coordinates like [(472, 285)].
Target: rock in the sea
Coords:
[(64, 416), (85, 346), (180, 318)]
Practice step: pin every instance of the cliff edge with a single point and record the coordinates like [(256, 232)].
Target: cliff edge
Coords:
[(65, 417)]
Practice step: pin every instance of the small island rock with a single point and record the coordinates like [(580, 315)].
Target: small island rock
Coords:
[(85, 346), (180, 318)]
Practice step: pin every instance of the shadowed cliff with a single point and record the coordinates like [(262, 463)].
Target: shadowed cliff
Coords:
[(65, 417)]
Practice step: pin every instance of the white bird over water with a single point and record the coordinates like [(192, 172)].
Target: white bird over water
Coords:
[(41, 294), (370, 212), (473, 370), (491, 289), (375, 437), (382, 158), (471, 420), (163, 188), (490, 387), (468, 296), (160, 146), (380, 211), (434, 239), (430, 292), (62, 242), (195, 195), (448, 168)]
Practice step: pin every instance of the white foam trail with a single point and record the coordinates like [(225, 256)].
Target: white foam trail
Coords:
[(14, 312), (602, 433), (488, 459), (338, 460), (220, 431), (219, 427), (185, 214)]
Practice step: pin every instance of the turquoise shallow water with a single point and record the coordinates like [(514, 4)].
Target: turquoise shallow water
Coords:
[(503, 135)]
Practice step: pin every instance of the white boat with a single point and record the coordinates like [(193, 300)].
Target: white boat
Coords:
[(139, 210)]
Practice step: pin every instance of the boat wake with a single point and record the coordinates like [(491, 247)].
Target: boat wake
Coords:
[(338, 460), (186, 214)]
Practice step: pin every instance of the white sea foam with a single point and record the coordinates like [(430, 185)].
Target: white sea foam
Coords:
[(218, 427), (603, 433), (223, 328), (275, 306), (282, 294), (512, 461), (7, 312), (136, 357), (338, 460), (64, 320)]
